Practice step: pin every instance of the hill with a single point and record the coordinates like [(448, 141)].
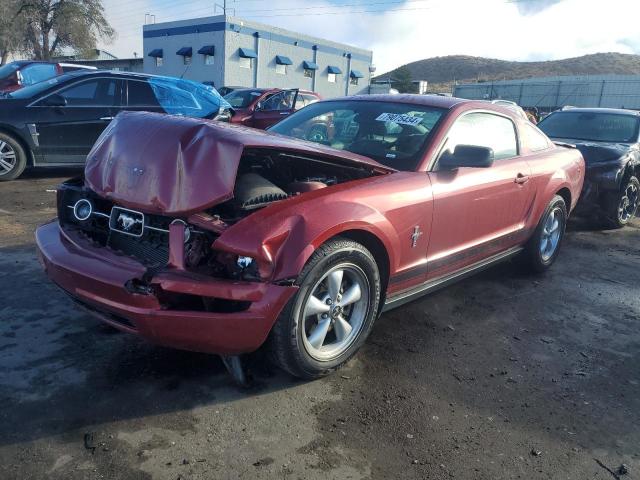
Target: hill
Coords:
[(463, 68)]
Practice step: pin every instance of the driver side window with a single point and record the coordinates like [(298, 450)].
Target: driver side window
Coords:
[(483, 130), (92, 93), (279, 101)]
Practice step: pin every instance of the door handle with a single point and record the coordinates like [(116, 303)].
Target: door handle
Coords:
[(521, 179), (106, 118)]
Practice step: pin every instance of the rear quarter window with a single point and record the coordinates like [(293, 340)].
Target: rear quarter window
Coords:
[(536, 140)]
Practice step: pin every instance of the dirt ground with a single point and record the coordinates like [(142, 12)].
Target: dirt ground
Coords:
[(504, 375)]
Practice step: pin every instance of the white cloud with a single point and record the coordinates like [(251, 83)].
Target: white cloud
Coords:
[(428, 28)]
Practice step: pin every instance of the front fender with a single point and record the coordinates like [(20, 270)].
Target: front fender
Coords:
[(283, 236)]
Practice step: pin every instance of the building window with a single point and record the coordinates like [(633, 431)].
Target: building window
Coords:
[(245, 62), (208, 59), (281, 69), (331, 78), (186, 60), (159, 61), (353, 81), (308, 73)]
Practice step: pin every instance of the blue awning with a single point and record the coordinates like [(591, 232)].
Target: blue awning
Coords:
[(282, 60), (157, 53), (185, 52), (310, 65), (333, 69), (247, 53), (356, 74), (207, 50)]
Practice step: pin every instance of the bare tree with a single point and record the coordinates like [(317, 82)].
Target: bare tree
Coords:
[(12, 27), (55, 25)]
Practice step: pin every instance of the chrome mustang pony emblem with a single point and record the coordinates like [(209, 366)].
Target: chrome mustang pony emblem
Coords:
[(127, 221)]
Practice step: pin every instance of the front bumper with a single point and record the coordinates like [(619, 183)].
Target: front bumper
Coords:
[(97, 277)]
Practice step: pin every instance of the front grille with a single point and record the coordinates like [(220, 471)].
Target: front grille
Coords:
[(151, 248)]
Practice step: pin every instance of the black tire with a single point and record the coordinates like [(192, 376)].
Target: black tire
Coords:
[(620, 207), (286, 343), (536, 260), (18, 160)]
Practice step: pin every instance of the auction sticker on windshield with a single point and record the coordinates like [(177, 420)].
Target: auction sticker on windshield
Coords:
[(399, 118)]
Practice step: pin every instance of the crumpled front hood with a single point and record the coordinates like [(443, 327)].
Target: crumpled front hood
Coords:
[(177, 166), (600, 152)]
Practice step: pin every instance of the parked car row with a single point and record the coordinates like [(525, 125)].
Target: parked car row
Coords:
[(355, 205), (55, 122)]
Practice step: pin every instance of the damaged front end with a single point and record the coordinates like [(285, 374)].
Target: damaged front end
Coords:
[(607, 165), (137, 238)]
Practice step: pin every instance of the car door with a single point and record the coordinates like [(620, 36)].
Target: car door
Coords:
[(275, 108), (478, 212), (70, 120)]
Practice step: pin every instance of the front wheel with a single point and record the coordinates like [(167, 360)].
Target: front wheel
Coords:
[(622, 206), (543, 247), (330, 317), (13, 158)]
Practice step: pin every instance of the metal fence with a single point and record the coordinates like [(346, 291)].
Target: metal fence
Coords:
[(612, 91)]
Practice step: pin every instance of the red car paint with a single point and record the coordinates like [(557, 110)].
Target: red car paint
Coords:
[(203, 162), (423, 224), (252, 116)]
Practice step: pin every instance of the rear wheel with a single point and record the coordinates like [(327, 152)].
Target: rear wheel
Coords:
[(622, 206), (13, 158), (330, 317), (543, 247)]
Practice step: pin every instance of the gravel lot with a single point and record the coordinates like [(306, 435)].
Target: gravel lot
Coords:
[(501, 376)]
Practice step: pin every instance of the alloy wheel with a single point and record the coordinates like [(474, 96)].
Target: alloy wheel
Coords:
[(551, 232), (335, 311), (628, 203), (8, 158)]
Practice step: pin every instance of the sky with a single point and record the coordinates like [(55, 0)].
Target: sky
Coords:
[(403, 31)]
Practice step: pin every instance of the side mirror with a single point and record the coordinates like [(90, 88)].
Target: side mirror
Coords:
[(471, 156), (55, 100)]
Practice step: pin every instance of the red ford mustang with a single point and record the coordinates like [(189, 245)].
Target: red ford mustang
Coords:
[(214, 237)]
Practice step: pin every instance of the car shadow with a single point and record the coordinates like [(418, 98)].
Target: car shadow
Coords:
[(50, 172), (63, 370)]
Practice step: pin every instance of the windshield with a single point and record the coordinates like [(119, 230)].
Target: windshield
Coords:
[(242, 98), (393, 134), (7, 70), (593, 126), (184, 97)]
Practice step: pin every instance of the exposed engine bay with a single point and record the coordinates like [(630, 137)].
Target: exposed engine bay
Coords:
[(266, 176)]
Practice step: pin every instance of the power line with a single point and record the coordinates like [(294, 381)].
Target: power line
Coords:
[(246, 13)]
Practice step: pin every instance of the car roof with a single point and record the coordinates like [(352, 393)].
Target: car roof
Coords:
[(116, 74), (112, 73), (437, 101), (617, 111), (270, 90)]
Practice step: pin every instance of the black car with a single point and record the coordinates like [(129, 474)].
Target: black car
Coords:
[(609, 140), (57, 121)]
